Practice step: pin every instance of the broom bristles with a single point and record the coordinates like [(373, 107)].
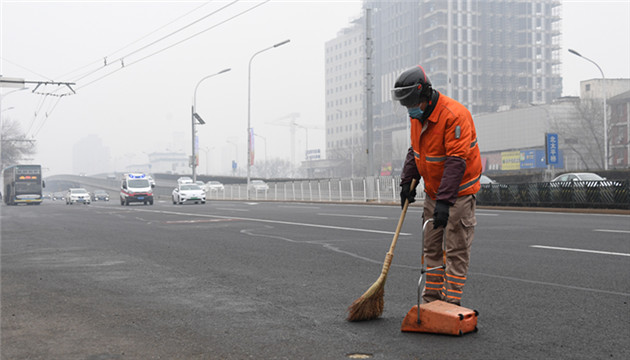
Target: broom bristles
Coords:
[(370, 305)]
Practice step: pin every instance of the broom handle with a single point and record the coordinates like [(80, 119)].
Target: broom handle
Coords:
[(390, 253)]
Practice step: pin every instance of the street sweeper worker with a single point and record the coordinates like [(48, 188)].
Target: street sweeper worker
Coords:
[(445, 153)]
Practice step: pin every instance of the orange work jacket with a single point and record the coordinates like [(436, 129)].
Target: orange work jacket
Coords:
[(448, 131)]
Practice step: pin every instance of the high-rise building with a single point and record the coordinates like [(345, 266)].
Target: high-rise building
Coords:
[(489, 55), (345, 95)]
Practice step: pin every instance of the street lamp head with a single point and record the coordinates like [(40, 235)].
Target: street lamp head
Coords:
[(224, 70), (575, 52), (282, 43)]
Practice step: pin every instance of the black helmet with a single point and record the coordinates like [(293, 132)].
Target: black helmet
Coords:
[(412, 86)]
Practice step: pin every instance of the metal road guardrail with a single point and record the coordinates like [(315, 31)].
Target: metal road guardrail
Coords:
[(573, 194), (606, 194), (384, 189)]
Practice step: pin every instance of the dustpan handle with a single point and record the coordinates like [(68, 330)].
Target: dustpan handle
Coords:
[(422, 268)]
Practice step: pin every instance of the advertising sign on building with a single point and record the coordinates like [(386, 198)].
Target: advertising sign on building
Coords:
[(528, 159), (313, 154), (510, 160)]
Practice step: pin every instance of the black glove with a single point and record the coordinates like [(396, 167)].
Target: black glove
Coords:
[(407, 194), (440, 214)]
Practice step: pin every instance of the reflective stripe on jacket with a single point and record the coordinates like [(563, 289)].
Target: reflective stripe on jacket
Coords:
[(448, 132)]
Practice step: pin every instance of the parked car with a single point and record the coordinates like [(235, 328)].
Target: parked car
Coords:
[(214, 186), (486, 180), (584, 179), (188, 193), (77, 195), (100, 195), (258, 185), (184, 180)]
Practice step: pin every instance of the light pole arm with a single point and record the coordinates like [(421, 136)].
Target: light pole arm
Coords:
[(249, 107), (605, 106), (249, 75), (192, 118), (199, 83)]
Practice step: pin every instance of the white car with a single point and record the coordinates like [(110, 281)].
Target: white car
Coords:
[(258, 185), (78, 195), (486, 180), (584, 179), (189, 193), (184, 180), (214, 186)]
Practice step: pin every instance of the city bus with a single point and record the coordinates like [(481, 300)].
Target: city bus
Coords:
[(23, 184)]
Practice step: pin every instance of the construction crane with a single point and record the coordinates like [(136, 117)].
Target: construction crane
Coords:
[(293, 125)]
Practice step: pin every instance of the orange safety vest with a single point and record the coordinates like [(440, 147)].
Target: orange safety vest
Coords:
[(448, 131)]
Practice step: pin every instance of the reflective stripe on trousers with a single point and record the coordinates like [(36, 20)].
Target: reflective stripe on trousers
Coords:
[(448, 285)]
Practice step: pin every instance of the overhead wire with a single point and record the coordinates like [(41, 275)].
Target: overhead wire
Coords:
[(48, 113), (102, 59), (121, 58), (37, 112), (174, 44), (85, 74), (25, 68)]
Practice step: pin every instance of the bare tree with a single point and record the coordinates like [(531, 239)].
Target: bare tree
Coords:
[(583, 132), (15, 146), (275, 168)]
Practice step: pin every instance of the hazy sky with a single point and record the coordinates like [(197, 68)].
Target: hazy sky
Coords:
[(145, 106)]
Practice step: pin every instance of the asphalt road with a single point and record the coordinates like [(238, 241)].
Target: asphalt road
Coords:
[(238, 280)]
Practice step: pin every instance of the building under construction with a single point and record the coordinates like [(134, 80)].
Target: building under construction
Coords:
[(490, 55)]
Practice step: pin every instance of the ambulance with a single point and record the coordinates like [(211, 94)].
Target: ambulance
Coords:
[(136, 187)]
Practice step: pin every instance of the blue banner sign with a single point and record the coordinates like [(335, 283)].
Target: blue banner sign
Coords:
[(551, 146)]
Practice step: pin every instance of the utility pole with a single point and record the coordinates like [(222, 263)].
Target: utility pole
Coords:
[(369, 122), (369, 90)]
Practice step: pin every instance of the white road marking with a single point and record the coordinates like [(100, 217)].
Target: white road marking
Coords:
[(197, 221), (232, 209), (357, 216), (579, 250), (299, 207), (613, 231), (555, 285), (271, 221)]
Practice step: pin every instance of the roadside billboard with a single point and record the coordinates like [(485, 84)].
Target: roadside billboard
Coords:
[(510, 160)]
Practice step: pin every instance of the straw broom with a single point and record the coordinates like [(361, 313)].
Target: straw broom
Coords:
[(370, 305)]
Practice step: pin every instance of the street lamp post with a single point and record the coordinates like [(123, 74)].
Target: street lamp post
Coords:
[(249, 98), (265, 140), (206, 150), (605, 109), (195, 116)]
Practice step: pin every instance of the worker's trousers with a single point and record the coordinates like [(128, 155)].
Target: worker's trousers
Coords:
[(448, 284)]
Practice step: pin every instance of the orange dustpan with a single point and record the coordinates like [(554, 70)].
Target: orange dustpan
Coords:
[(438, 317)]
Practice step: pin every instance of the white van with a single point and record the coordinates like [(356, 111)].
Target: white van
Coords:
[(136, 188)]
